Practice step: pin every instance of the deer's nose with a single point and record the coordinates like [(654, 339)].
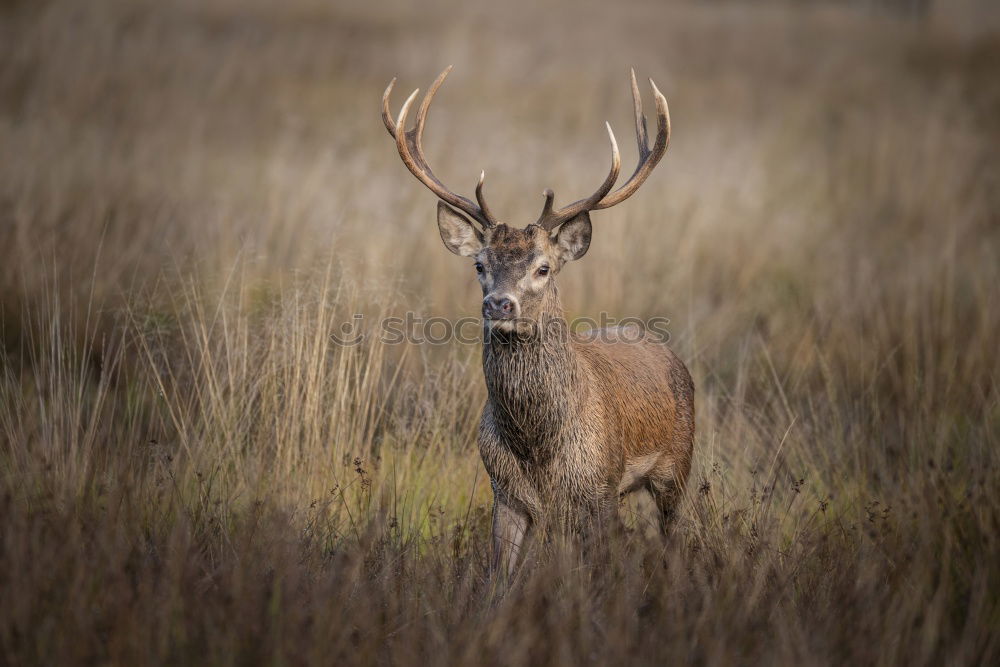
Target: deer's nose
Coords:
[(499, 307)]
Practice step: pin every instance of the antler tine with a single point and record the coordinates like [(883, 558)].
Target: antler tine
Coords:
[(549, 198), (409, 145), (647, 158), (482, 199), (550, 219), (390, 124), (426, 104), (640, 119)]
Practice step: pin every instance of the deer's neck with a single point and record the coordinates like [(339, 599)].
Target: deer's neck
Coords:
[(534, 383)]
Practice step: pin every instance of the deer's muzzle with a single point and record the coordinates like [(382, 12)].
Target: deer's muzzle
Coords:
[(500, 307)]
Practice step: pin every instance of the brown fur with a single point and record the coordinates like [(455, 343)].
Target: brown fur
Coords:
[(571, 424)]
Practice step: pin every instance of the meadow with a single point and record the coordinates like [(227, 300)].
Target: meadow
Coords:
[(197, 197)]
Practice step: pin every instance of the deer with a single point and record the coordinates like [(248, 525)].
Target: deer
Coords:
[(572, 423)]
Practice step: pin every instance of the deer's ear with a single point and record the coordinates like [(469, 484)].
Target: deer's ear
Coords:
[(459, 235), (573, 237)]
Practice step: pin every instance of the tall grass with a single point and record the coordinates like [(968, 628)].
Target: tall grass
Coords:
[(201, 195)]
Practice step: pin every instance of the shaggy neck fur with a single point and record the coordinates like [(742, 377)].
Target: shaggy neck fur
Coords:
[(534, 383)]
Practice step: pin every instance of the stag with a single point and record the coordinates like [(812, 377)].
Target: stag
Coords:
[(572, 423)]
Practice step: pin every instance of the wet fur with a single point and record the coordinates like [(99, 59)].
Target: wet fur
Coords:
[(571, 424)]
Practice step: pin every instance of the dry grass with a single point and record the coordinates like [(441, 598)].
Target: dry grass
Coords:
[(194, 196)]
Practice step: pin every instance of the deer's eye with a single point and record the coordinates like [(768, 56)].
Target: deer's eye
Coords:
[(479, 267), (543, 270)]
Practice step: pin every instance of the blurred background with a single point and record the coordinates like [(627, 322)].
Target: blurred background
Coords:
[(194, 195), (190, 133)]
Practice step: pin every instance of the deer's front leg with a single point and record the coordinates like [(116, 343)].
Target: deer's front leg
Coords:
[(509, 530)]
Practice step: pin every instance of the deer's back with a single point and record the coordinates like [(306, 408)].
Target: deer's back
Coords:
[(645, 391)]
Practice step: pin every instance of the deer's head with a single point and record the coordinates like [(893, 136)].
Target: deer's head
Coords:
[(517, 266)]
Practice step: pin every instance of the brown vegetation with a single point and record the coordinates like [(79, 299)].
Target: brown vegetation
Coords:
[(194, 196)]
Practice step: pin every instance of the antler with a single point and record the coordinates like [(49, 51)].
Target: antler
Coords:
[(648, 158), (408, 142)]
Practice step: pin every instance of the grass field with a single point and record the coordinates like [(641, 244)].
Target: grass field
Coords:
[(196, 196)]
